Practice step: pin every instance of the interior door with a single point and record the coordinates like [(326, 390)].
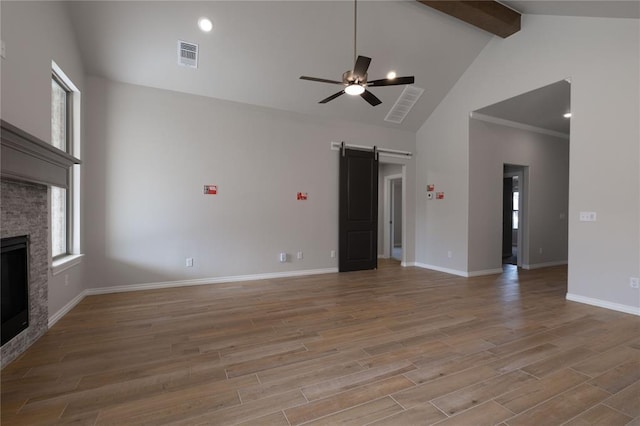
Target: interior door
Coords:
[(507, 216), (358, 228)]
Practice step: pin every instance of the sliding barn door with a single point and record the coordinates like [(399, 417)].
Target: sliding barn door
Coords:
[(358, 238)]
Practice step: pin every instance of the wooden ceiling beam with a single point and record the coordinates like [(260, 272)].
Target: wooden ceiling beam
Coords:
[(490, 16)]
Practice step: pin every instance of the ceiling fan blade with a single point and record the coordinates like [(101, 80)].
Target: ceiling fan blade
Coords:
[(392, 82), (371, 98), (320, 80), (332, 97), (361, 66)]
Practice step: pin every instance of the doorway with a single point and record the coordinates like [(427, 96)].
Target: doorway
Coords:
[(392, 212), (513, 214), (395, 225)]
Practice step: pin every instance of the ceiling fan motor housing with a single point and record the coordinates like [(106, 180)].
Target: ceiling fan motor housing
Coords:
[(356, 83), (350, 78)]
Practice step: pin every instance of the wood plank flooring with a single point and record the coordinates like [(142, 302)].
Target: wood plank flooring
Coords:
[(396, 346)]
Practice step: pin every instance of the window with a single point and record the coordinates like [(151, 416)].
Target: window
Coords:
[(59, 222), (516, 200), (64, 108), (60, 95)]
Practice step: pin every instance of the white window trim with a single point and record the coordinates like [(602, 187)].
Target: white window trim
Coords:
[(63, 263), (74, 257)]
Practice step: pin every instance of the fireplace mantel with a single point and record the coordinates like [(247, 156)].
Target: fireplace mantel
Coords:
[(27, 158)]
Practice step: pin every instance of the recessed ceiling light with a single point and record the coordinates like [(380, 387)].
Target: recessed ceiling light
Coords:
[(391, 75), (354, 89), (205, 24), (567, 115)]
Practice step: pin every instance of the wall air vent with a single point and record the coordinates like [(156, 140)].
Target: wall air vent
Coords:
[(187, 54), (403, 105)]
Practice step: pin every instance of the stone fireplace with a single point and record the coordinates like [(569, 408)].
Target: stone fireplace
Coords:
[(23, 211), (28, 166)]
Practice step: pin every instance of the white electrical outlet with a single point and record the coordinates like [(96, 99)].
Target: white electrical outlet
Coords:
[(189, 262), (332, 254), (588, 216), (449, 254), (300, 255), (634, 282), (283, 257)]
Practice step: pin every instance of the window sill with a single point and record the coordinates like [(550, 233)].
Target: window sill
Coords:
[(62, 264)]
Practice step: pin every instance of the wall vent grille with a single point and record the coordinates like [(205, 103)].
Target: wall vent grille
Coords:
[(403, 105), (187, 54)]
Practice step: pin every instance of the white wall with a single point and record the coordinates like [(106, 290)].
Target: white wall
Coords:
[(601, 56), (35, 33), (547, 157), (150, 153)]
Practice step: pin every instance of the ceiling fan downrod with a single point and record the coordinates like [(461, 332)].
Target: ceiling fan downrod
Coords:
[(355, 29)]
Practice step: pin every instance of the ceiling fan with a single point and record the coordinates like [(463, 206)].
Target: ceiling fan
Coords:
[(355, 80)]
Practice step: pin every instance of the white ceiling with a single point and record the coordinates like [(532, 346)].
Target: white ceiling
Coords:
[(258, 49), (544, 107), (602, 9)]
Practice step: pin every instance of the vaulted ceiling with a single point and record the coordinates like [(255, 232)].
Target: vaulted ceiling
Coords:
[(258, 49), (544, 107)]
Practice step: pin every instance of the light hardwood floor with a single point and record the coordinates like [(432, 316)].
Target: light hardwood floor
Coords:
[(396, 346)]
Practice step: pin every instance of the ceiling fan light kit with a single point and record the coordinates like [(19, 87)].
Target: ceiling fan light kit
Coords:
[(354, 89), (355, 80)]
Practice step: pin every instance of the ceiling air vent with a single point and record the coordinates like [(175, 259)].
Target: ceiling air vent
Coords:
[(403, 105), (187, 54)]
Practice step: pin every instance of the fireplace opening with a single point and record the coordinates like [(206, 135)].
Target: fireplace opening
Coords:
[(14, 295)]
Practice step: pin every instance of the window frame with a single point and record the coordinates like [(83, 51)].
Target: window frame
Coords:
[(71, 255), (68, 142)]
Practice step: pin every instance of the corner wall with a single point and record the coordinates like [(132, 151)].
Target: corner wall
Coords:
[(601, 56)]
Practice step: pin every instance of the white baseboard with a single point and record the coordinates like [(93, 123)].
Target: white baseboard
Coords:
[(441, 269), (460, 273), (484, 272), (544, 264), (205, 281), (604, 304), (66, 308)]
